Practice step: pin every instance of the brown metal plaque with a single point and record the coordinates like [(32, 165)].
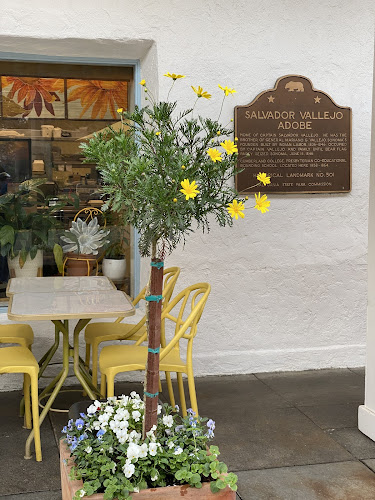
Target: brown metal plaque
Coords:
[(298, 136)]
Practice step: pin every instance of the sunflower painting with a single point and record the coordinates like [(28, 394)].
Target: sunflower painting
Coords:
[(32, 97), (96, 99)]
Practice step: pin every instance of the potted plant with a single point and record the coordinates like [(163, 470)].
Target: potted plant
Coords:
[(110, 460), (114, 262), (83, 242), (25, 228)]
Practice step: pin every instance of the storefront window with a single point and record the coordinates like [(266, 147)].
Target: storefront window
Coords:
[(46, 111)]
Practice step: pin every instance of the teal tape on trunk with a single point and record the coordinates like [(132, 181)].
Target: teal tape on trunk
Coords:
[(149, 395), (158, 265), (154, 351), (154, 298)]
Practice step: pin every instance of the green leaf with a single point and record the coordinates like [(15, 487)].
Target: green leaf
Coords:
[(33, 252), (23, 257), (58, 254), (7, 235)]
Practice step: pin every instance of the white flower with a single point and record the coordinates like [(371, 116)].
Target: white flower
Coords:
[(96, 425), (82, 493), (110, 449), (159, 409), (136, 415), (153, 448), (113, 399), (128, 470), (168, 420), (88, 449), (89, 236), (91, 409), (124, 424), (171, 445), (109, 410), (135, 436), (136, 490), (133, 451), (134, 395), (178, 451), (143, 450), (154, 478)]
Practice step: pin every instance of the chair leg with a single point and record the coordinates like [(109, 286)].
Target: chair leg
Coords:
[(170, 389), (26, 392), (103, 386), (35, 409), (95, 363), (110, 386), (192, 392), (182, 394), (160, 387), (87, 359)]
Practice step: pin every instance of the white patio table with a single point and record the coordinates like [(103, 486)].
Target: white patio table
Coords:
[(59, 300)]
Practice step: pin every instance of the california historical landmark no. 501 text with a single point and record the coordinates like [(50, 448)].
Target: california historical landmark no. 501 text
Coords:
[(298, 136)]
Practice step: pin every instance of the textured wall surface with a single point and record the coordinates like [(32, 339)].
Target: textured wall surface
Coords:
[(288, 287)]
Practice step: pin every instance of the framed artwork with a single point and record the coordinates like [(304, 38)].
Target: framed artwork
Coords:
[(74, 99), (96, 99), (32, 97)]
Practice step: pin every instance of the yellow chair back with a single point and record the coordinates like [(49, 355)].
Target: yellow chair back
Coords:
[(197, 296), (171, 275), (89, 213)]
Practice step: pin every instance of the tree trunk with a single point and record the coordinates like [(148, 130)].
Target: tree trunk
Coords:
[(154, 327)]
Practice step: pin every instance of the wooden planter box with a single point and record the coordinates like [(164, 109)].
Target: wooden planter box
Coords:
[(70, 487)]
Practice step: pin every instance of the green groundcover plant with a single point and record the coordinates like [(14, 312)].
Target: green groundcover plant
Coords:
[(111, 457)]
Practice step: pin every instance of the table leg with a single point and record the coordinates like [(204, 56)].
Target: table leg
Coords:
[(63, 328), (84, 380), (44, 362)]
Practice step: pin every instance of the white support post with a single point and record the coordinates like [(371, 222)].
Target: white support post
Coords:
[(366, 412)]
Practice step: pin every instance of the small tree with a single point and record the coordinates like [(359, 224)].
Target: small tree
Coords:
[(166, 172)]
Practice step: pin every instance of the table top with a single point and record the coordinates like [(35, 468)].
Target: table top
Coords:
[(59, 284), (59, 305)]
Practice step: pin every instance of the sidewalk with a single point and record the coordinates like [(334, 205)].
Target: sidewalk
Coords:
[(288, 436)]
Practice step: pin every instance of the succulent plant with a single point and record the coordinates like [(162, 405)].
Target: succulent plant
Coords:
[(85, 238)]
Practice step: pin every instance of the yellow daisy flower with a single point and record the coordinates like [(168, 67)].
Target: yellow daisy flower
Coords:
[(261, 203), (229, 147), (218, 132), (119, 111), (175, 200), (214, 154), (263, 178), (174, 76), (235, 209), (227, 90), (201, 93), (189, 189), (157, 133), (142, 82)]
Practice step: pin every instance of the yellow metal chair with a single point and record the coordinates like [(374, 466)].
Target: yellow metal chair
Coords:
[(99, 332), (21, 360), (117, 359), (17, 334)]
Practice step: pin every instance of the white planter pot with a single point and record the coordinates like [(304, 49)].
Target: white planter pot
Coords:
[(31, 269), (114, 269)]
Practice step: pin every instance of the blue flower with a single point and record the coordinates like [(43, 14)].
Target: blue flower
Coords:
[(73, 446), (79, 423), (82, 415), (211, 424), (82, 436), (190, 410), (100, 433), (64, 430), (70, 424)]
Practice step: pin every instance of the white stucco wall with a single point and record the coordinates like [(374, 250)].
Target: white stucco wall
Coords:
[(288, 287)]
